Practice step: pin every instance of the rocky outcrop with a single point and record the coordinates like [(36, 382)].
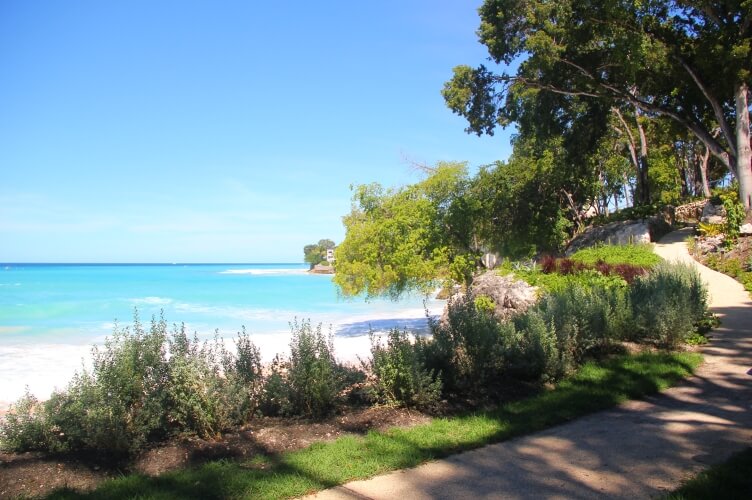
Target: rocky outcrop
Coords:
[(713, 214), (510, 296), (745, 229), (690, 212), (322, 269), (615, 233)]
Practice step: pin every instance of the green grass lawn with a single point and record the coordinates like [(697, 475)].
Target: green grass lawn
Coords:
[(729, 480), (594, 387)]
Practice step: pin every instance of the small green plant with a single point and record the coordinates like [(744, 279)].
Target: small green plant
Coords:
[(707, 323), (485, 304), (735, 215), (708, 229), (695, 338), (401, 378)]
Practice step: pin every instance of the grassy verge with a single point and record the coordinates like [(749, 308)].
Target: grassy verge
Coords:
[(594, 387), (731, 479)]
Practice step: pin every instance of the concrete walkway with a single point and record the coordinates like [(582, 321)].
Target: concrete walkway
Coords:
[(640, 449)]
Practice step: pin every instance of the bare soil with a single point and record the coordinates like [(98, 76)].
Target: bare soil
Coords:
[(35, 474)]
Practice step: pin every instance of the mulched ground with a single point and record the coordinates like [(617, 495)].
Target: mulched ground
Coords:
[(33, 474)]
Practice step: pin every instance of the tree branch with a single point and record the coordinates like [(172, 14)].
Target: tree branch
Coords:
[(717, 109)]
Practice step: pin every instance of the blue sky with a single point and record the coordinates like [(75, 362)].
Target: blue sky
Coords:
[(180, 131)]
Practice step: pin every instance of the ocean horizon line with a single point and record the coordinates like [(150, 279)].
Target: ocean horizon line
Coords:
[(152, 263)]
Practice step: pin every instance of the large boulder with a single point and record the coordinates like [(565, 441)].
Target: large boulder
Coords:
[(713, 214), (614, 233), (509, 295), (745, 229)]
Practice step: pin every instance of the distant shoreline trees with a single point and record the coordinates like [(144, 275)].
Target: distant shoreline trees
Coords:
[(316, 253)]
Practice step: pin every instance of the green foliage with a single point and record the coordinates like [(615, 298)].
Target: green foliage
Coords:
[(596, 386), (710, 229), (732, 266), (637, 255), (629, 213), (520, 202), (312, 375), (554, 282), (401, 378), (407, 239), (585, 319), (23, 429), (735, 215), (580, 314), (309, 381), (136, 394), (485, 304), (274, 400), (466, 349), (559, 87), (668, 303)]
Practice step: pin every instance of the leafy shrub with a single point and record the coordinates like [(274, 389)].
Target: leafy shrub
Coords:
[(136, 393), (465, 349), (735, 215), (275, 393), (636, 255), (23, 429), (401, 378), (309, 382), (531, 348), (585, 319), (667, 303), (555, 282)]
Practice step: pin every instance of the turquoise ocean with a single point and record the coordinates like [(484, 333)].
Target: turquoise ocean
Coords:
[(52, 314)]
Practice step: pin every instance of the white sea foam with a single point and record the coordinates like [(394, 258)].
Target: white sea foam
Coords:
[(263, 272), (152, 301)]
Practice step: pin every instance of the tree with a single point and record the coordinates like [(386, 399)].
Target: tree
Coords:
[(524, 205), (409, 238), (689, 61)]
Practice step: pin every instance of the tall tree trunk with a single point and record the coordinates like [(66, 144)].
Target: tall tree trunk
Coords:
[(628, 192), (743, 149), (702, 166), (643, 161)]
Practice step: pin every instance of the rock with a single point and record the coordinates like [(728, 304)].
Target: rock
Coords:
[(509, 295), (713, 219), (615, 233), (322, 269), (690, 212), (709, 244), (745, 229), (713, 214)]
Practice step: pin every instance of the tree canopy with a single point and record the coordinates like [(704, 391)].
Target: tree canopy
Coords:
[(406, 239), (687, 61)]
